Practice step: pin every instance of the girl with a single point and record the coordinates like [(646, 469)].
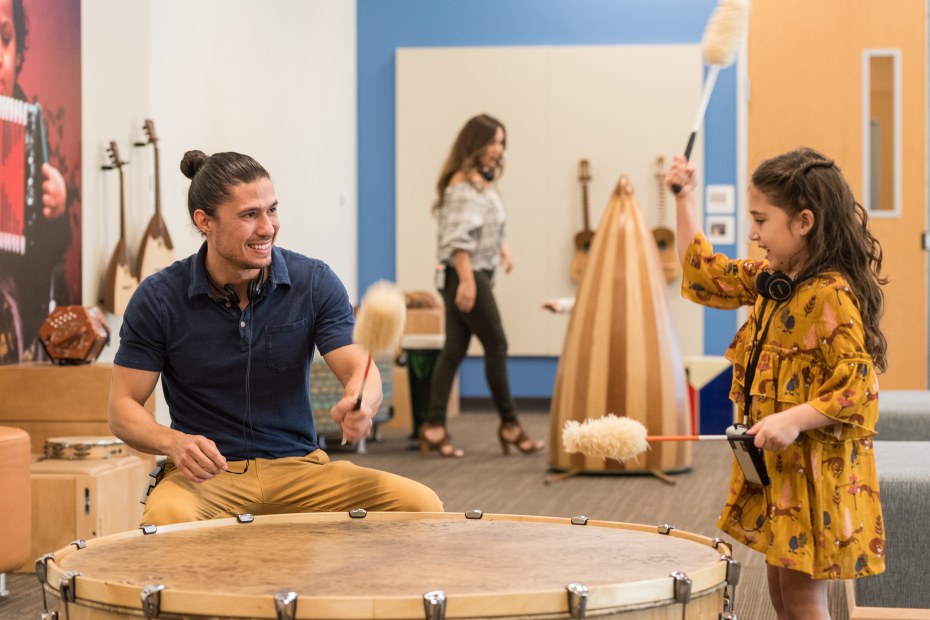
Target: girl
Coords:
[(803, 373), (471, 247)]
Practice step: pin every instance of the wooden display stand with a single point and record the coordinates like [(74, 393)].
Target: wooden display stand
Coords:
[(419, 321), (47, 400), (84, 499)]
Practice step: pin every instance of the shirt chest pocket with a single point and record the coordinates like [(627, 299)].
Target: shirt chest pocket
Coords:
[(287, 346)]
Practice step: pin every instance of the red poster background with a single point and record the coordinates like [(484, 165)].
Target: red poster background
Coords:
[(50, 269), (51, 75)]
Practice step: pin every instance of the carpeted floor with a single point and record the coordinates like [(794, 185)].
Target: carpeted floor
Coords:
[(517, 485)]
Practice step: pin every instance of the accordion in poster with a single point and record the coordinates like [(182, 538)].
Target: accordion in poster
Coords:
[(23, 150)]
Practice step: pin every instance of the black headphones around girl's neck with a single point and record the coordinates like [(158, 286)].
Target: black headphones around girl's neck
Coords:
[(775, 285), (486, 173)]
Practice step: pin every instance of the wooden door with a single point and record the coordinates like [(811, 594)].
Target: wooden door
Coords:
[(805, 74)]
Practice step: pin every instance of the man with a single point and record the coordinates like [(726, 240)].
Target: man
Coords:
[(231, 331)]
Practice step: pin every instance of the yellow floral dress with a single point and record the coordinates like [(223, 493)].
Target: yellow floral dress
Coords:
[(821, 513)]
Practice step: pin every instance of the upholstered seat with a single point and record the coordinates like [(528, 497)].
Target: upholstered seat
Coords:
[(15, 501), (904, 484), (903, 415)]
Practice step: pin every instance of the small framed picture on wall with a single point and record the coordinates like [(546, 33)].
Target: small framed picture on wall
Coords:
[(721, 229), (720, 199)]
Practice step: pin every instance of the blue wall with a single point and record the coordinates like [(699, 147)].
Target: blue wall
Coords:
[(384, 26)]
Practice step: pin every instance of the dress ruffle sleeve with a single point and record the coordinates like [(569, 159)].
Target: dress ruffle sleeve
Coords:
[(716, 280), (850, 394)]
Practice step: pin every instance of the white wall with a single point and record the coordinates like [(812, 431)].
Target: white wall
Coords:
[(275, 80)]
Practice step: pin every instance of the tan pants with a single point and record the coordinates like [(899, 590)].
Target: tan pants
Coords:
[(310, 483)]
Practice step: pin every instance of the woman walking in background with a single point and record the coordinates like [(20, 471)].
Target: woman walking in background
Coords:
[(472, 246)]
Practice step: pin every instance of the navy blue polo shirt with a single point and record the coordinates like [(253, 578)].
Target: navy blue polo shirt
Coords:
[(211, 354)]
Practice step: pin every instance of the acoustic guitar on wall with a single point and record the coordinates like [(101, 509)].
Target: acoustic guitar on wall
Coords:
[(120, 282), (156, 251), (585, 237), (664, 236)]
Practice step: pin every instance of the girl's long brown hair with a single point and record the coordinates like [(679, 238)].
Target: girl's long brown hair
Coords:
[(840, 239), (473, 138)]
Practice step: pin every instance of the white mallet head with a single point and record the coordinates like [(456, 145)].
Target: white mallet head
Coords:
[(723, 32), (380, 322), (609, 437)]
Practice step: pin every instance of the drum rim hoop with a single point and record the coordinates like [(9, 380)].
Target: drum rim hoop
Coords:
[(107, 593)]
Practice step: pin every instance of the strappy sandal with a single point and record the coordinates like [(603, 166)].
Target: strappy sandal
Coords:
[(521, 441), (443, 446)]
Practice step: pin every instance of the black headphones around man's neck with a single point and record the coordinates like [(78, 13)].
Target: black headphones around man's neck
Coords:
[(228, 292)]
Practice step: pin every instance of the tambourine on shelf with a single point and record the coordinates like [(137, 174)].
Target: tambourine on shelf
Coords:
[(74, 334)]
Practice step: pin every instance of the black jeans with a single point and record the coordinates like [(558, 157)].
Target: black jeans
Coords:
[(483, 321)]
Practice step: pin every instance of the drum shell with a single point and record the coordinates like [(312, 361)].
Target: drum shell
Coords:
[(118, 596)]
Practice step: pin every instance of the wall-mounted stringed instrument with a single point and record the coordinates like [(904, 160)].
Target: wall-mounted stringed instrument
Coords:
[(583, 238), (156, 251), (665, 238), (119, 282)]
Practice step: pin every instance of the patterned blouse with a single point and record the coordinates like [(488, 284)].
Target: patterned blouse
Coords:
[(471, 219), (821, 513)]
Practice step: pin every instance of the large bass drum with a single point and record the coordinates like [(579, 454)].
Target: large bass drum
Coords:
[(394, 565)]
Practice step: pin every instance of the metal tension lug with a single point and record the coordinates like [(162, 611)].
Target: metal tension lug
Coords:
[(42, 575), (245, 518), (66, 586), (682, 589), (474, 513), (434, 605), (66, 591), (148, 529), (577, 600), (666, 529), (358, 513), (151, 600), (580, 520), (734, 568), (285, 605)]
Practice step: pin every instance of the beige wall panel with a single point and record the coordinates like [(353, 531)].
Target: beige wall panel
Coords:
[(610, 105), (807, 90)]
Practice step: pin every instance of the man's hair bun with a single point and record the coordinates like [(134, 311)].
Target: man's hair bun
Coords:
[(192, 162)]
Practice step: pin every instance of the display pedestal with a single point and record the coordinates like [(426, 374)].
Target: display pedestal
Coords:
[(420, 322), (701, 370)]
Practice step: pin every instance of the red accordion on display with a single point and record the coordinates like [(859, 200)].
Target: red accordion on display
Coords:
[(23, 150), (74, 334)]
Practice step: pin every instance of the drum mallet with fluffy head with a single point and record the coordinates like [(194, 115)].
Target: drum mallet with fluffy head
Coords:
[(613, 437), (379, 325), (721, 39)]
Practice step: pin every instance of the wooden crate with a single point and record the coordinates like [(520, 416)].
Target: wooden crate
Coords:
[(84, 499), (47, 400)]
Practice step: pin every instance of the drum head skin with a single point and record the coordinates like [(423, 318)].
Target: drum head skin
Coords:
[(381, 566)]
